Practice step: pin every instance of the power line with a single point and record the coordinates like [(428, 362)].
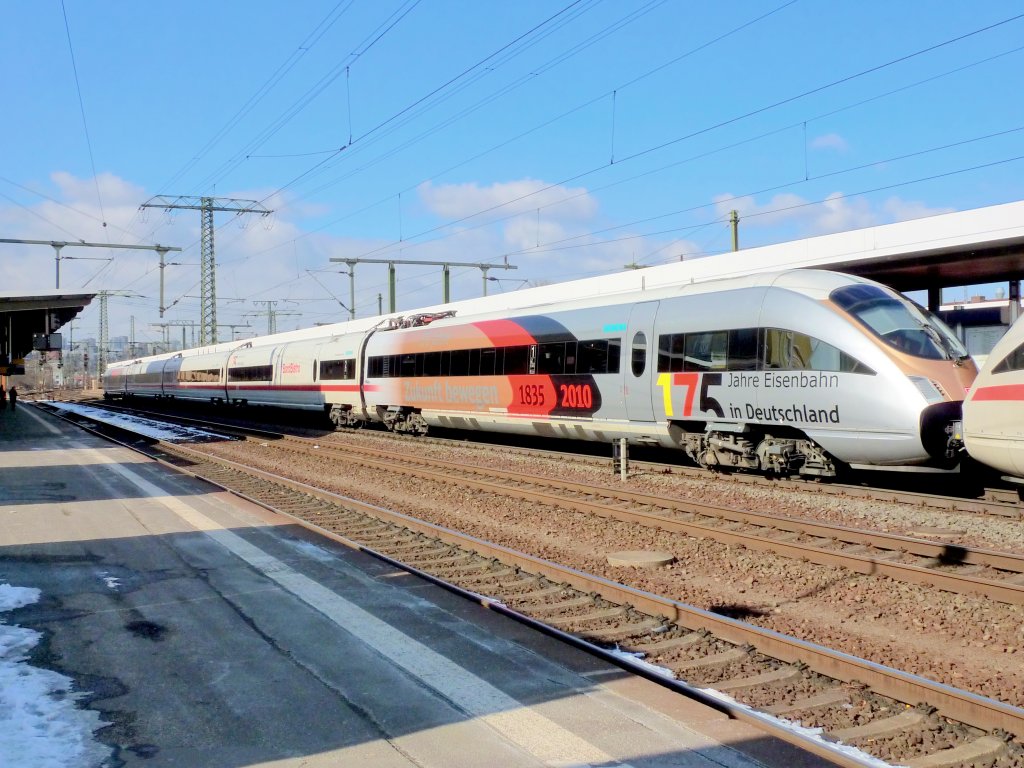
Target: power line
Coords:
[(81, 106), (699, 132)]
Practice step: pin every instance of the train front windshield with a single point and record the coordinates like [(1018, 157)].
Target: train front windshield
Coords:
[(899, 322)]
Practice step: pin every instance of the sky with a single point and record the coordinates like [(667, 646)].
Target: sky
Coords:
[(565, 139)]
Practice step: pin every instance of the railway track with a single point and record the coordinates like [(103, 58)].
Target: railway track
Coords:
[(998, 502), (939, 564), (892, 715)]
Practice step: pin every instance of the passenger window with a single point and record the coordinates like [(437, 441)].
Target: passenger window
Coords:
[(431, 363), (1012, 362), (517, 361), (614, 355), (743, 352), (639, 357), (459, 362), (706, 351), (592, 357), (791, 351), (786, 350), (487, 361), (551, 358), (570, 357)]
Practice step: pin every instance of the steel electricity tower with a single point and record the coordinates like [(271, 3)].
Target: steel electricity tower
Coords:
[(272, 315), (105, 326), (208, 281)]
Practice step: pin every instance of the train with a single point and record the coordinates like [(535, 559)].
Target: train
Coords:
[(993, 413), (798, 371)]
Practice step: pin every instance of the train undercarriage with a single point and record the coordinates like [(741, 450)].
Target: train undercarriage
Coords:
[(778, 455)]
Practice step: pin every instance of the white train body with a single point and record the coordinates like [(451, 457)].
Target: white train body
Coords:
[(994, 408), (784, 372)]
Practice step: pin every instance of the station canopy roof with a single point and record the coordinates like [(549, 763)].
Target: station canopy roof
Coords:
[(24, 318)]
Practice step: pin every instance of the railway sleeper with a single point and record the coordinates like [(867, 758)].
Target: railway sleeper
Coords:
[(441, 563), (671, 644), (562, 605), (490, 576), (886, 726), (831, 698), (615, 634), (588, 618), (714, 660), (986, 748), (538, 596), (781, 675)]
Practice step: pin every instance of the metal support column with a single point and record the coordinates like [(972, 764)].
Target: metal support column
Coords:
[(352, 290), (208, 277), (208, 268), (162, 252), (620, 457), (102, 362), (56, 249), (447, 276), (392, 287), (1014, 301), (934, 298)]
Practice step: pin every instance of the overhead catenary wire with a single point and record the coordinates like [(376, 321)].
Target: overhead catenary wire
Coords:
[(699, 132), (81, 107)]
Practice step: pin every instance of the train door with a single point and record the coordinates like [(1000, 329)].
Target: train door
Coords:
[(641, 358)]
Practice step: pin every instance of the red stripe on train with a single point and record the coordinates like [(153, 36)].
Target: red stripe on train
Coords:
[(1000, 392)]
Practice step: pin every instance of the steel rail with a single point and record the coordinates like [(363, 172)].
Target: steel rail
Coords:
[(962, 706), (958, 583), (990, 506)]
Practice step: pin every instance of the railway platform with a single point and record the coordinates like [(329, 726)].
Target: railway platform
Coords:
[(197, 629)]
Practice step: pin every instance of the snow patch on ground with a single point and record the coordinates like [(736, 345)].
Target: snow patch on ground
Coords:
[(136, 424), (40, 726)]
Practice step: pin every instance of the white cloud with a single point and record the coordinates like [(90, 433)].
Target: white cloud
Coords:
[(830, 141), (836, 213), (456, 201)]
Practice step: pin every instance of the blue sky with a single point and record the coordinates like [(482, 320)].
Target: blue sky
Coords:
[(569, 137)]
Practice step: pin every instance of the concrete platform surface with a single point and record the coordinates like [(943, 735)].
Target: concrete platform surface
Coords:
[(205, 631)]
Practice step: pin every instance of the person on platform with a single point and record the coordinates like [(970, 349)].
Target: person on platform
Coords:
[(3, 398), (13, 393)]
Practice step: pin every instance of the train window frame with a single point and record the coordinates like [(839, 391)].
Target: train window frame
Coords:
[(815, 349), (1012, 362), (516, 361), (712, 345), (593, 356), (638, 354), (488, 359), (249, 373), (551, 358), (459, 362), (898, 322), (339, 369), (614, 355), (737, 360)]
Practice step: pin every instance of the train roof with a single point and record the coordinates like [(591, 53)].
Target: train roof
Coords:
[(814, 283)]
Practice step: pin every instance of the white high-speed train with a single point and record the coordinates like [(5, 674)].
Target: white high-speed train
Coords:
[(799, 371), (994, 408)]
